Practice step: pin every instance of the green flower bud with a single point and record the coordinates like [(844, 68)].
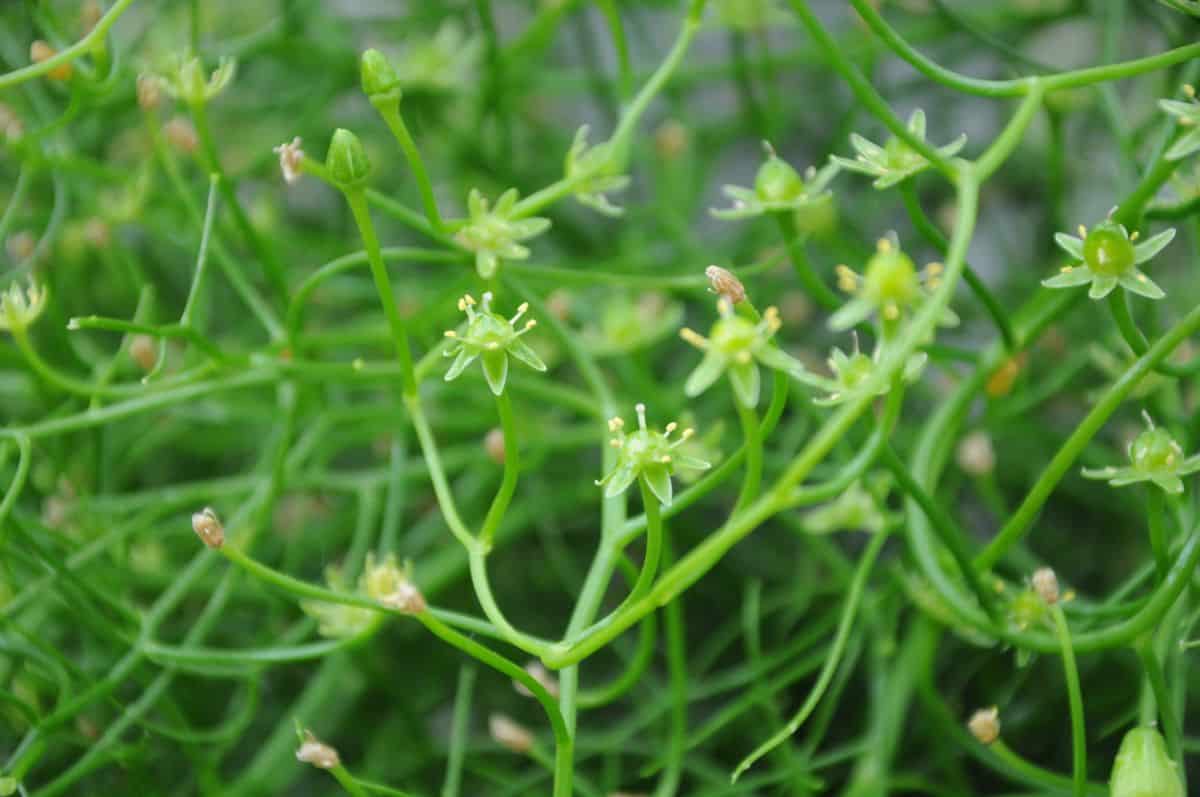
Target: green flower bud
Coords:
[(379, 80), (347, 160), (776, 180), (1143, 768)]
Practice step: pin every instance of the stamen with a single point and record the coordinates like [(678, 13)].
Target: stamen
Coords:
[(935, 268), (615, 423), (686, 433), (694, 338), (1149, 420), (641, 413), (487, 301), (665, 459), (670, 428), (854, 335), (450, 333), (883, 245), (1067, 269), (1082, 231), (1135, 235), (891, 311)]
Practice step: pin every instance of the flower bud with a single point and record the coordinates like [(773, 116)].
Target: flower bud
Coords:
[(313, 751), (149, 91), (379, 80), (208, 528), (1143, 768), (671, 140), (142, 351), (347, 160), (508, 733), (975, 454), (39, 51), (1045, 584), (725, 285), (90, 13), (539, 673), (776, 180), (984, 725), (493, 444), (181, 135)]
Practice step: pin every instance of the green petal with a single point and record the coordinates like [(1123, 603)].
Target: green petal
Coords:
[(1189, 465), (658, 479), (495, 368), (851, 314), (916, 124), (620, 479), (460, 363), (1152, 246), (951, 149), (689, 463), (1171, 484), (862, 167), (1127, 476), (1139, 283), (778, 359), (517, 348), (1185, 146), (746, 383), (1070, 244), (1102, 285), (863, 147), (485, 264), (1078, 275), (1100, 473), (707, 372)]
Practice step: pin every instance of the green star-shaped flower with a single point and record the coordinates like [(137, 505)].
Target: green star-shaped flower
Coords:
[(778, 188), (895, 160), (736, 346), (1109, 256), (1188, 115), (851, 372), (493, 233), (1155, 457), (591, 171), (647, 454), (186, 81), (492, 338), (20, 308), (889, 287)]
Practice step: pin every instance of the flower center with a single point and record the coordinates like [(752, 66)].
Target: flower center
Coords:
[(1155, 450), (734, 335), (899, 155), (856, 369), (1108, 251), (777, 181), (891, 277)]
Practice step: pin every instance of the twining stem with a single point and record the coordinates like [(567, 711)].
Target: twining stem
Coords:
[(1075, 699), (390, 111), (512, 468)]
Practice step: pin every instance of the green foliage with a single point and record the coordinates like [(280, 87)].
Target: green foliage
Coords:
[(409, 574)]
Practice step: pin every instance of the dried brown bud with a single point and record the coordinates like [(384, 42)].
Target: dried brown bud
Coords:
[(181, 135), (313, 751), (149, 91), (540, 674), (984, 725), (89, 14), (406, 598), (671, 139), (208, 528), (39, 51), (97, 233), (291, 156), (559, 304), (143, 352), (493, 444), (725, 285), (975, 454), (508, 733), (1045, 584), (20, 246)]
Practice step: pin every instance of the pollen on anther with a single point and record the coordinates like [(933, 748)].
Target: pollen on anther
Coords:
[(450, 333), (531, 323), (1135, 235), (1067, 269), (883, 245), (1082, 231), (492, 345), (665, 459), (1142, 278), (615, 423), (672, 426), (891, 312), (933, 269)]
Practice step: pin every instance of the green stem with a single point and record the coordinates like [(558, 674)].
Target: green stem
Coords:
[(817, 289), (512, 468), (1075, 699), (347, 781), (82, 47), (1155, 521), (383, 286), (459, 731), (390, 111), (753, 446), (1172, 729), (210, 212)]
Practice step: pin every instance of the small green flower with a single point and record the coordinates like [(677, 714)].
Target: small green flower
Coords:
[(446, 62), (1109, 256), (492, 233), (852, 371), (20, 308), (1155, 457), (492, 338), (778, 188), (889, 287), (1187, 114), (649, 454), (736, 346), (346, 160), (855, 509), (592, 168), (186, 81), (1143, 768), (392, 585), (895, 161), (337, 620)]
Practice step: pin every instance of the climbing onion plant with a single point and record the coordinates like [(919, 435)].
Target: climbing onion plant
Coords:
[(427, 554)]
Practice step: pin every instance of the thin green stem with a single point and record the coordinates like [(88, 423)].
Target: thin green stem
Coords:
[(512, 469), (753, 446), (1075, 699), (459, 731), (821, 293), (1155, 523), (390, 111)]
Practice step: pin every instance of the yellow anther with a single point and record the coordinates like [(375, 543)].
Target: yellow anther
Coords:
[(1082, 231), (693, 337), (935, 268), (450, 333), (666, 459), (891, 311), (670, 427), (1067, 269), (1135, 235), (883, 245)]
